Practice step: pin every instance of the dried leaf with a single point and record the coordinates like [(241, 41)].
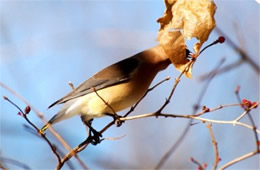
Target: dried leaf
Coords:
[(185, 19)]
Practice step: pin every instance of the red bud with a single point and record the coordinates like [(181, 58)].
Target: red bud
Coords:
[(237, 89), (221, 39), (27, 109)]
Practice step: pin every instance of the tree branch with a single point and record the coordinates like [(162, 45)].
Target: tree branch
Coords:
[(40, 115), (239, 159), (215, 146), (24, 115)]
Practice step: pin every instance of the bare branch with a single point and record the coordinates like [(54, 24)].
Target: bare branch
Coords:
[(105, 102), (185, 131), (150, 89), (239, 159), (71, 85), (76, 149), (215, 109), (222, 70), (166, 115), (247, 112), (40, 115), (85, 143), (177, 80), (114, 138), (12, 162), (2, 167), (24, 115), (243, 55), (215, 146), (200, 167)]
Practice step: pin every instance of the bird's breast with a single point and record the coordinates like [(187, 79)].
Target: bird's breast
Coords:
[(119, 97)]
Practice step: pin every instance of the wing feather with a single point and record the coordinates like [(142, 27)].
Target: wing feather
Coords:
[(117, 73)]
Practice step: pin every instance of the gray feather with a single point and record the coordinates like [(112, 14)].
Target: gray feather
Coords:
[(115, 74)]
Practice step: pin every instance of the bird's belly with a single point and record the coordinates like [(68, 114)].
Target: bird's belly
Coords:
[(119, 97)]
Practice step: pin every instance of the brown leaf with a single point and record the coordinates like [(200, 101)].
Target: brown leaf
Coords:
[(185, 19)]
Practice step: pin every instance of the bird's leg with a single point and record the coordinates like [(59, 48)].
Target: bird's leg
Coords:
[(116, 118), (94, 136)]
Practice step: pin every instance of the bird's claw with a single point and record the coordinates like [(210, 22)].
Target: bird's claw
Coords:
[(117, 120), (96, 138)]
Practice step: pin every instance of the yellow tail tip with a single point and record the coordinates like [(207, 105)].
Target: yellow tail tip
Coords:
[(45, 127)]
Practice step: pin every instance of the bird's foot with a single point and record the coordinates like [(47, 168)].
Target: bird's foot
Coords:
[(95, 137), (116, 118)]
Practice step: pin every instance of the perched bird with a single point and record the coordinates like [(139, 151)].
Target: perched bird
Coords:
[(120, 85)]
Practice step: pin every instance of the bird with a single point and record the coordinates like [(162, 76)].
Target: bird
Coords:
[(113, 89)]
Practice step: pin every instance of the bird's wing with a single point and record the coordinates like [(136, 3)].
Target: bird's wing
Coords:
[(115, 74)]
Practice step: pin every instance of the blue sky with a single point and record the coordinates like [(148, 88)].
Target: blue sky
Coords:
[(45, 44)]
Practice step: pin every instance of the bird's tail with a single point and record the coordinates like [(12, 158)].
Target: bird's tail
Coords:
[(56, 118), (45, 127), (69, 109)]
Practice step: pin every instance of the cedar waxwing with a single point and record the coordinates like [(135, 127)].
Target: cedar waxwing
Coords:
[(121, 85)]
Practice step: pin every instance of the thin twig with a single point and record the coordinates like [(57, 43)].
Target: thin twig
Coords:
[(243, 55), (177, 80), (71, 85), (52, 130), (150, 89), (115, 115), (171, 150), (247, 112), (2, 167), (24, 115), (166, 115), (239, 159), (224, 69), (215, 146), (85, 143), (104, 101), (200, 167), (215, 109), (186, 129), (59, 151), (12, 162), (244, 113), (114, 138), (76, 149)]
